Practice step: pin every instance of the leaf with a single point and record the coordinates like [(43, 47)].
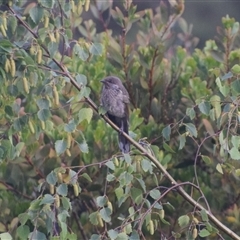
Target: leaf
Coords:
[(44, 114), (110, 165), (85, 113), (101, 201), (93, 218), (236, 69), (12, 90), (146, 165), (5, 236), (86, 176), (234, 153), (81, 79), (60, 146), (204, 215), (62, 189), (37, 235), (105, 214), (224, 89), (191, 113), (81, 52), (47, 3), (51, 178), (219, 168), (47, 199), (36, 14), (183, 221), (52, 48), (70, 127), (155, 194), (182, 140), (83, 147), (191, 129), (226, 76), (127, 158), (168, 148), (204, 107), (96, 49), (112, 234), (206, 159), (110, 177), (204, 233), (166, 132), (122, 236), (23, 217), (96, 236), (43, 103), (235, 86), (23, 231)]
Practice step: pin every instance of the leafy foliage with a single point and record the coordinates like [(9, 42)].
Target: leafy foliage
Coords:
[(61, 177)]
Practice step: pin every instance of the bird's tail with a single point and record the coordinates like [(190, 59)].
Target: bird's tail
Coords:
[(124, 144)]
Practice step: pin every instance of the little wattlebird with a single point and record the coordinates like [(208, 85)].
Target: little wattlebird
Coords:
[(114, 99)]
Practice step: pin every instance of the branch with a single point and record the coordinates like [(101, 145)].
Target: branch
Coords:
[(181, 191)]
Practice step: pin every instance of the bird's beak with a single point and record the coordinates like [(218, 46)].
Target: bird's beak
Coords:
[(102, 81)]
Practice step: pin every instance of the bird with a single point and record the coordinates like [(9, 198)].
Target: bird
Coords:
[(115, 99)]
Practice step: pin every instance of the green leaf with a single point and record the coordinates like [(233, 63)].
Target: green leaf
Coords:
[(136, 195), (5, 236), (63, 233), (81, 80), (183, 221), (60, 146), (110, 177), (12, 90), (86, 176), (191, 113), (43, 103), (93, 218), (83, 147), (134, 236), (23, 231), (127, 158), (85, 113), (204, 215), (235, 86), (110, 165), (47, 199), (105, 214), (182, 140), (96, 49), (62, 189), (224, 89), (146, 165), (204, 233), (101, 201), (206, 159), (51, 178), (96, 237), (166, 132), (191, 129), (44, 114), (23, 217), (47, 3), (81, 52), (155, 194), (219, 168), (35, 205), (36, 14), (52, 48), (112, 234), (167, 148), (234, 153), (122, 236), (70, 127), (204, 107), (236, 69), (66, 203)]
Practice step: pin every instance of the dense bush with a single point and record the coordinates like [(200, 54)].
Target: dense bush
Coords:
[(61, 174)]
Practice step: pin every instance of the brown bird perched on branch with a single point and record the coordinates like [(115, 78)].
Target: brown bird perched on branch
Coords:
[(114, 99)]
